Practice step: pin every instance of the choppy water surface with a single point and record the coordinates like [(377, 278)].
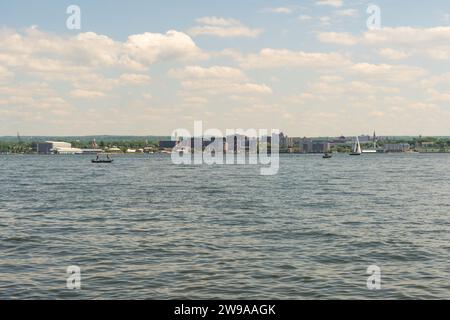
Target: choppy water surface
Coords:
[(143, 228)]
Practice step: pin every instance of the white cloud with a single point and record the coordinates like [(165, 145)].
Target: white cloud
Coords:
[(325, 20), (223, 27), (435, 95), (152, 47), (404, 36), (347, 13), (388, 72), (42, 53), (273, 58), (281, 10), (403, 41), (216, 80), (332, 3), (440, 79), (407, 36), (332, 88), (393, 54), (438, 52), (89, 94), (303, 98), (304, 17), (337, 38), (47, 78), (218, 21), (4, 73), (428, 42), (32, 101), (214, 72), (134, 79)]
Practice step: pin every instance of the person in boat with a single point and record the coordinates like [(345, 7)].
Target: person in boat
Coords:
[(97, 157), (107, 156)]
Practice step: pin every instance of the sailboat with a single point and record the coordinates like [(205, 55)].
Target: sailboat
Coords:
[(356, 148)]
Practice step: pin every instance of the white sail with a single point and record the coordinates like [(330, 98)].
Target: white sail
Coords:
[(357, 147)]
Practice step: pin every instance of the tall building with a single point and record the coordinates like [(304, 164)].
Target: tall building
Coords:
[(306, 145), (283, 141), (310, 146)]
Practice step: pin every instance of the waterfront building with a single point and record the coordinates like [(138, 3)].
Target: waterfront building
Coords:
[(283, 141), (321, 147), (310, 146), (59, 147), (91, 151), (306, 145), (42, 147), (294, 142), (397, 147), (67, 151), (113, 150), (427, 144)]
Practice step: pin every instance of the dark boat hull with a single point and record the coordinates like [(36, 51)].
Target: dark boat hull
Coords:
[(102, 161)]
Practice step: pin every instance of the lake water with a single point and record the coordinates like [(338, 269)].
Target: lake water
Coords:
[(143, 228)]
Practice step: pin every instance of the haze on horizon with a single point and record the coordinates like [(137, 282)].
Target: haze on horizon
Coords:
[(308, 68)]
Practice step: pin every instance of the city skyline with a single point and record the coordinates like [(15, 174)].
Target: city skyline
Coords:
[(309, 69)]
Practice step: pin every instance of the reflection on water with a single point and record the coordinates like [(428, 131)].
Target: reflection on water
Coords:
[(143, 228)]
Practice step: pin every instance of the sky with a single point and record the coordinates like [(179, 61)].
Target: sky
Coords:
[(308, 68)]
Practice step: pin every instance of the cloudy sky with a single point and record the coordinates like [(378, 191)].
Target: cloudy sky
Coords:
[(309, 68)]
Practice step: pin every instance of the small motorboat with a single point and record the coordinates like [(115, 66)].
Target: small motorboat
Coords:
[(102, 161), (327, 156)]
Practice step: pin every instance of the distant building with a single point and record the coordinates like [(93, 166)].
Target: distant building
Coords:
[(427, 144), (320, 147), (283, 141), (67, 151), (113, 150), (364, 138), (293, 142), (42, 147), (310, 146), (397, 147), (167, 144), (91, 151), (54, 147), (306, 145)]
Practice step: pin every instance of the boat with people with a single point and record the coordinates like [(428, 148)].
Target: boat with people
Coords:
[(102, 161), (327, 156), (98, 160)]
